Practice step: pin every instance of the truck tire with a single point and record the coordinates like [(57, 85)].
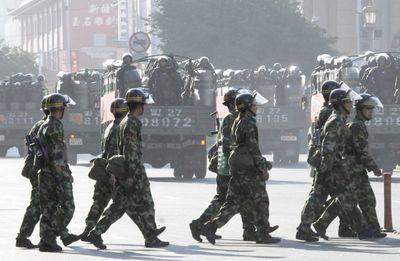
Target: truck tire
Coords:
[(201, 171), (188, 173), (72, 158), (295, 159), (178, 172), (3, 152)]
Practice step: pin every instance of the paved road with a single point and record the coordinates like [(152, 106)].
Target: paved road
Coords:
[(177, 203)]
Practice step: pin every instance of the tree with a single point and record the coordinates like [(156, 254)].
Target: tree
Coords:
[(14, 60), (239, 33)]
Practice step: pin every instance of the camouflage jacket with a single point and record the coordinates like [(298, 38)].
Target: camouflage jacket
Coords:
[(245, 134), (323, 115), (35, 128), (109, 144), (130, 144), (335, 135), (357, 147), (224, 143), (51, 134)]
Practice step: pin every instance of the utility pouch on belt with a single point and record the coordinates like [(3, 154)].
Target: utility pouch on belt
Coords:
[(117, 166), (98, 169), (213, 159)]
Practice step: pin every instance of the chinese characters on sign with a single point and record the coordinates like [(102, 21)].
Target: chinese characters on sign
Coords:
[(97, 15)]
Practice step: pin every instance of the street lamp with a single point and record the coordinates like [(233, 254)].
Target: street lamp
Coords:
[(369, 16)]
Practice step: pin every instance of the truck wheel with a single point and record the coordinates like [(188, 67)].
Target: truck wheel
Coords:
[(73, 158), (295, 159), (188, 174), (178, 172), (277, 157), (201, 171), (3, 152)]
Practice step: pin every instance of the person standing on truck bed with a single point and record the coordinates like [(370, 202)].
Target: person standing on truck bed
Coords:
[(55, 180), (32, 214), (249, 172), (122, 84), (165, 83), (103, 189), (360, 160), (133, 195)]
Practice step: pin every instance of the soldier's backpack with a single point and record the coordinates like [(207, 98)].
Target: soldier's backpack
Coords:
[(98, 169)]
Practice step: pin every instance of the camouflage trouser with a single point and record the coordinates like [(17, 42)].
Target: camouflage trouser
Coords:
[(246, 194), (317, 201), (137, 202), (346, 199), (218, 200), (32, 214), (56, 205), (367, 201), (102, 195)]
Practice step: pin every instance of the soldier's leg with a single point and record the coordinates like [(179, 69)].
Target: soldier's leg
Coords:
[(367, 203), (101, 197), (67, 208), (48, 208), (32, 214)]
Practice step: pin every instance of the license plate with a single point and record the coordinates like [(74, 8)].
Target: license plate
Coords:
[(2, 138), (75, 142), (288, 138)]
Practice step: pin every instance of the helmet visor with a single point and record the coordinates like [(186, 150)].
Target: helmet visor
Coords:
[(69, 100), (371, 102), (258, 98), (352, 94), (149, 99)]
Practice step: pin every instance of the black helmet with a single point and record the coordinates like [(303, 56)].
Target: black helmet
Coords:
[(56, 102), (244, 101), (229, 96), (40, 78), (137, 95), (365, 101), (44, 105), (338, 97), (328, 87), (126, 55), (118, 107)]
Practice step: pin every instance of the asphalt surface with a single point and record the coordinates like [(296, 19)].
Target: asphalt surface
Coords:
[(177, 203)]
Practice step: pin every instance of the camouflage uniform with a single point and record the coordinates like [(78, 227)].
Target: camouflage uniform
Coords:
[(224, 149), (132, 194), (246, 192), (32, 214), (333, 178), (103, 189), (55, 183)]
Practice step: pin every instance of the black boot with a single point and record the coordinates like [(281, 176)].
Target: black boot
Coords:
[(49, 246), (96, 240), (265, 238), (306, 234), (85, 236), (195, 229), (209, 230), (71, 238), (321, 231), (158, 231), (379, 234), (345, 231), (24, 242), (273, 228), (156, 243), (249, 234)]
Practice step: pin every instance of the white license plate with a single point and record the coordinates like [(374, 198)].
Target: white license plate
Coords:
[(2, 138), (75, 142), (288, 138)]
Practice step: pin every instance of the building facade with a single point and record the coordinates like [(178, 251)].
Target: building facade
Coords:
[(357, 25)]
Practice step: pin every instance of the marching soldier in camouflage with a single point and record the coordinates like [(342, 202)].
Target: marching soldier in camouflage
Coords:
[(333, 176), (360, 160), (103, 189), (322, 117), (224, 140), (55, 180), (32, 214), (249, 171), (132, 193)]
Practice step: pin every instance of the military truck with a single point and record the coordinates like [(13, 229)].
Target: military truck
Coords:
[(81, 121), (20, 98), (282, 120), (172, 133), (384, 128)]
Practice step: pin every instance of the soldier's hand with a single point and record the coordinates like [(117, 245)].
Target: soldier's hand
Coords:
[(269, 165), (265, 175), (377, 172)]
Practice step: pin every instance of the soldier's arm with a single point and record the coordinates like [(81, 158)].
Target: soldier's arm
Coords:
[(252, 145), (329, 145), (113, 141), (360, 141), (226, 130), (131, 148)]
